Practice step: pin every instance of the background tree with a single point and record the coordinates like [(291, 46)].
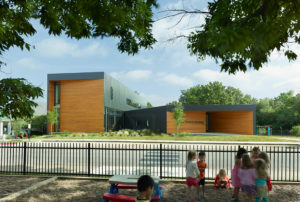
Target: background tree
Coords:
[(242, 34), (178, 114), (214, 93), (149, 105), (52, 118), (172, 103), (16, 98), (39, 124)]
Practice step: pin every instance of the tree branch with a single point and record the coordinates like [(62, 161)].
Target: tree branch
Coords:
[(181, 12)]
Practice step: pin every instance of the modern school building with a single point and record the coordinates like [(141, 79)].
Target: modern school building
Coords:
[(94, 102)]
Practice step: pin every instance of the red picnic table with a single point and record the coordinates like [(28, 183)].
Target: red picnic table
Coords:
[(129, 182)]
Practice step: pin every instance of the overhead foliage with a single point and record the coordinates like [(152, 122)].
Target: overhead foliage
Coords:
[(130, 21), (241, 34), (16, 98)]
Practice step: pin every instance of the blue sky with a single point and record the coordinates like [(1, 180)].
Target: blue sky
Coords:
[(158, 74)]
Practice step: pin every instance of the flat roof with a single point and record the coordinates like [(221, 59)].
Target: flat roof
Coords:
[(215, 107), (75, 76)]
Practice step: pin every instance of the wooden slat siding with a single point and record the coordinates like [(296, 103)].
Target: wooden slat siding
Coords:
[(198, 116), (237, 122), (50, 101), (82, 105)]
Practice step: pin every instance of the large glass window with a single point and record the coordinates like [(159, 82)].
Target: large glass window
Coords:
[(113, 119), (57, 105)]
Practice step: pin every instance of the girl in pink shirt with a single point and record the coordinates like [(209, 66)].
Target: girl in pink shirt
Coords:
[(248, 177), (235, 179)]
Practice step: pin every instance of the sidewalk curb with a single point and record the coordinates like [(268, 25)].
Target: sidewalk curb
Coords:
[(29, 189), (169, 142)]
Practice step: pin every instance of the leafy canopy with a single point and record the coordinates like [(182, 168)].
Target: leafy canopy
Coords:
[(128, 20), (243, 33), (16, 98)]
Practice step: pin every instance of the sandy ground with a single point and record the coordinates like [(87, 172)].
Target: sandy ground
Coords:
[(11, 184), (92, 190)]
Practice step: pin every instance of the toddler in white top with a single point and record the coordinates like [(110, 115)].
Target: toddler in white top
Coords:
[(192, 174)]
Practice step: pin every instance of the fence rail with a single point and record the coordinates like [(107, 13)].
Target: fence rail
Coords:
[(164, 160)]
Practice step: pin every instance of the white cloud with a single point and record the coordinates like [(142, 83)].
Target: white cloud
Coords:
[(28, 63), (93, 49), (174, 80), (56, 47), (133, 75), (140, 60), (269, 81)]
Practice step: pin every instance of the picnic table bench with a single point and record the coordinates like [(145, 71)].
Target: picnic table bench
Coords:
[(125, 198), (129, 182)]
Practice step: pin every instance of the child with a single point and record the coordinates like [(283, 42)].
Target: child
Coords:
[(222, 180), (248, 177), (254, 154), (201, 166), (261, 184), (192, 173), (265, 157), (234, 173), (145, 186)]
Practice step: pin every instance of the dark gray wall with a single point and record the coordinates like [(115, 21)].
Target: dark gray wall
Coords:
[(156, 116)]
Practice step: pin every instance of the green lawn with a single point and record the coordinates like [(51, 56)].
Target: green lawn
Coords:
[(180, 137)]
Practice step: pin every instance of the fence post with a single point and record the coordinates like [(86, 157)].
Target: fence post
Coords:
[(24, 159), (89, 159), (160, 172)]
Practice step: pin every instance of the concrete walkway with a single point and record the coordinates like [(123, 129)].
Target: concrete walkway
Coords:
[(169, 142)]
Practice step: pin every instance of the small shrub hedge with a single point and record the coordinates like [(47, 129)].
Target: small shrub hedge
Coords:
[(295, 131)]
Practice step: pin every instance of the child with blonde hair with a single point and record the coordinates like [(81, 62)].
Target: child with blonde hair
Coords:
[(222, 180), (254, 154), (192, 173), (261, 184), (235, 179), (265, 157), (248, 177)]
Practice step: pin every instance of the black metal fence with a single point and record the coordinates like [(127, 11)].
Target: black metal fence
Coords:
[(164, 160)]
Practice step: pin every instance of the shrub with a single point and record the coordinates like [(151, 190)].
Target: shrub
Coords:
[(295, 131), (39, 124)]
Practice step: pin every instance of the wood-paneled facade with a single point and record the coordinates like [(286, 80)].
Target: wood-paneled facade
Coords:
[(81, 105), (194, 122), (237, 122), (235, 119), (90, 102)]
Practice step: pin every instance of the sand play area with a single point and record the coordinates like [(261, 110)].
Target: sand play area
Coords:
[(92, 190)]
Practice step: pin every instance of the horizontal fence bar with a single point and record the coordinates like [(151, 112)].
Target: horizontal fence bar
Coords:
[(165, 160)]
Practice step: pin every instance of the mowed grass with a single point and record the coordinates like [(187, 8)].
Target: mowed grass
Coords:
[(178, 137)]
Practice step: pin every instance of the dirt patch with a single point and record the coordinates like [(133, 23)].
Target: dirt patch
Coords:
[(12, 184), (92, 190)]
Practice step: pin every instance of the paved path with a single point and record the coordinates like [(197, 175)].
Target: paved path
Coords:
[(287, 138)]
